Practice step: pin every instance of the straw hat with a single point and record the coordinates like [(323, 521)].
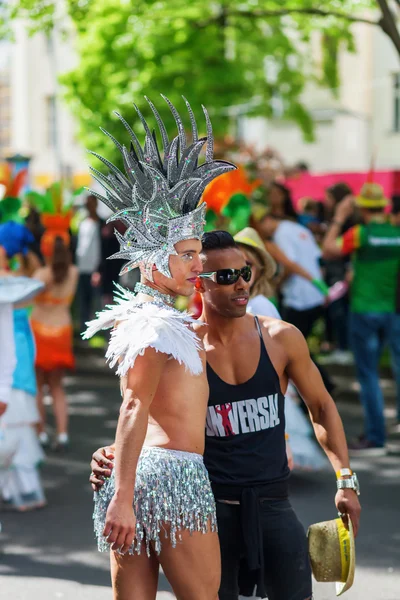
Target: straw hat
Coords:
[(332, 553), (372, 196), (249, 237)]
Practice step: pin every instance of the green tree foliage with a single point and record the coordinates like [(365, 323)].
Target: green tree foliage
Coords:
[(245, 54)]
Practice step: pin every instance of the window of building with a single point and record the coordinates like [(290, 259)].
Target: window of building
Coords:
[(396, 102), (51, 122)]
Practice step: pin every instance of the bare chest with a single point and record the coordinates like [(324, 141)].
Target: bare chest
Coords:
[(178, 386)]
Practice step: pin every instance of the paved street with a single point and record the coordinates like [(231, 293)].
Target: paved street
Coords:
[(51, 554)]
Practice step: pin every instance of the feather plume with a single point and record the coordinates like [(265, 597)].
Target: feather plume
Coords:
[(146, 325)]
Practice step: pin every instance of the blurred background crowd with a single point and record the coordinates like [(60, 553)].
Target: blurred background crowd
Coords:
[(61, 237)]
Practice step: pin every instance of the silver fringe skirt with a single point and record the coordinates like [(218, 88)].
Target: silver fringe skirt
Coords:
[(172, 488)]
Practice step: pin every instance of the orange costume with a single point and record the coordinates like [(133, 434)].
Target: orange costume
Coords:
[(53, 343)]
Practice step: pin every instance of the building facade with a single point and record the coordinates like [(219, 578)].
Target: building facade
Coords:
[(360, 121), (37, 123)]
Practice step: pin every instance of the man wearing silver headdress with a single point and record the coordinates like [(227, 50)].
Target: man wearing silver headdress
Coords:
[(159, 481)]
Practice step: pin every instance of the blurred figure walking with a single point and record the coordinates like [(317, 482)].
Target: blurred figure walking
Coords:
[(89, 259), (52, 327), (375, 302), (335, 270)]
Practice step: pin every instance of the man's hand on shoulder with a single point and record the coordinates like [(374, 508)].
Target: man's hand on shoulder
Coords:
[(200, 328), (3, 408)]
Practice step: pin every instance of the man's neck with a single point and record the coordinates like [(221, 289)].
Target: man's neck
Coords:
[(380, 217), (151, 290), (222, 329), (159, 288)]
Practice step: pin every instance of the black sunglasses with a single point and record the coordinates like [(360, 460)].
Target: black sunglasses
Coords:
[(228, 276)]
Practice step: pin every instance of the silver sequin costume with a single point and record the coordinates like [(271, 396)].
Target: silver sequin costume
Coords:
[(159, 199), (172, 489)]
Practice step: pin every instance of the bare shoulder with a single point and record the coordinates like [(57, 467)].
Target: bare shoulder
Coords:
[(137, 376), (282, 332)]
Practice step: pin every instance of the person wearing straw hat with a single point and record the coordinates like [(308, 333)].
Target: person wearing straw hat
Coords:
[(263, 269), (375, 302)]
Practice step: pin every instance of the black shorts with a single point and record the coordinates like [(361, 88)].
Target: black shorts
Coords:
[(287, 570)]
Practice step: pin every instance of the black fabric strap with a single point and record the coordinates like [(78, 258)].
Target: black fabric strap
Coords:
[(258, 327)]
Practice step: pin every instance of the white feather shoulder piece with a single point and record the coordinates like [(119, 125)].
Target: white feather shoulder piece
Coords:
[(146, 325)]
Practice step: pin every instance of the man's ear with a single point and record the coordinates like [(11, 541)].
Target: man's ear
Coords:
[(199, 286)]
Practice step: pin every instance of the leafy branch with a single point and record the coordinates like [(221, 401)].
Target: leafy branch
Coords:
[(278, 13)]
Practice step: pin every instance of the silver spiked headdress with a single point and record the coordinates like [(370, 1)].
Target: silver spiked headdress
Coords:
[(159, 198)]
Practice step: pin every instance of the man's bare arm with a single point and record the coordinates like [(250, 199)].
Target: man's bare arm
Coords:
[(290, 266), (324, 415), (330, 248), (343, 211), (139, 390), (323, 412)]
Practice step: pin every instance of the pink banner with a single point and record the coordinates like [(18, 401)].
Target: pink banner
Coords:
[(314, 186)]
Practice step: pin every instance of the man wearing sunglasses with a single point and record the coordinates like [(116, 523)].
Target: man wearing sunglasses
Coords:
[(249, 361)]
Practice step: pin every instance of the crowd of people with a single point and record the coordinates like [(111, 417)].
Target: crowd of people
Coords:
[(37, 339), (354, 247), (297, 264), (334, 262)]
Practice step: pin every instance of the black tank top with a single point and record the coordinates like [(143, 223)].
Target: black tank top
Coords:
[(245, 428)]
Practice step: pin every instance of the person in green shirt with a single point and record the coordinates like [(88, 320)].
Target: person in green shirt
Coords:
[(375, 301)]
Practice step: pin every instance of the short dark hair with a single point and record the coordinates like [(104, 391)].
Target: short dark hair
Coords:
[(288, 208), (302, 166), (217, 240), (376, 210), (339, 191)]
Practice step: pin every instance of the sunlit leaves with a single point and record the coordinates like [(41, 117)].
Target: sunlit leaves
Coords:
[(219, 53)]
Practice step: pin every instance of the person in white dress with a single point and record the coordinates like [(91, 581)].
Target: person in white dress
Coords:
[(303, 451), (21, 487)]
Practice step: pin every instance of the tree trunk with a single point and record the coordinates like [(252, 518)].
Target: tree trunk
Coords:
[(388, 24)]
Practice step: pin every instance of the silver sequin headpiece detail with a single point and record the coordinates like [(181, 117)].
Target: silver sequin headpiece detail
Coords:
[(159, 199)]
